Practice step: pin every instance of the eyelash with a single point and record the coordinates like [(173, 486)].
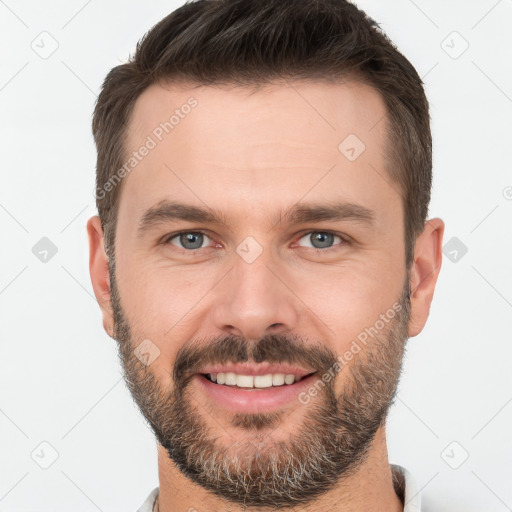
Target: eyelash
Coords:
[(344, 240)]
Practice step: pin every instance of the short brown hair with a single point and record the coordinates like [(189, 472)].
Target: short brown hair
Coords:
[(251, 42)]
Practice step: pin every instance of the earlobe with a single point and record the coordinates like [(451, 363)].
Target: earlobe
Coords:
[(98, 269), (424, 273)]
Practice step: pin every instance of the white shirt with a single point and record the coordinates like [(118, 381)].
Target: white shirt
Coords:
[(402, 479)]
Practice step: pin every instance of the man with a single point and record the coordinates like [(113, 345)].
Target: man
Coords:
[(262, 251)]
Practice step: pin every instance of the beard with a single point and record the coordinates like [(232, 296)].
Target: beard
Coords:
[(253, 468)]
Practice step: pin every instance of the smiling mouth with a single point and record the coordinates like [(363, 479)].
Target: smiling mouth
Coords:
[(254, 383)]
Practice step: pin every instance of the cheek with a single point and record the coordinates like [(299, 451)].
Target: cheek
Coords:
[(357, 316), (156, 294), (348, 298), (164, 305)]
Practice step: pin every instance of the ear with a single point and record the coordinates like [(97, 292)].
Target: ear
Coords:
[(424, 272), (98, 269)]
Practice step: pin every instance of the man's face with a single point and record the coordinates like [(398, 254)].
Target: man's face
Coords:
[(262, 286)]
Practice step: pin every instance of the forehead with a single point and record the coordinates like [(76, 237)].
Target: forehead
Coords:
[(239, 148)]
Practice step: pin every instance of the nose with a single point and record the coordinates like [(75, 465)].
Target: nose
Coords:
[(255, 300)]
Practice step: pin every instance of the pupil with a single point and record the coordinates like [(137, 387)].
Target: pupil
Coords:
[(194, 239), (323, 239)]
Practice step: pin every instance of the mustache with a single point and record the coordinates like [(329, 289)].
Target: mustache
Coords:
[(234, 349)]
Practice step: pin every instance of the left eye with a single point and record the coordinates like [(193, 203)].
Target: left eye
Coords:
[(321, 239)]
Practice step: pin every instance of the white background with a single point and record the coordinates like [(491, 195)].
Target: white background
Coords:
[(60, 380)]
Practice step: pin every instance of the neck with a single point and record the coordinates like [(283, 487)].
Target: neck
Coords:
[(370, 488)]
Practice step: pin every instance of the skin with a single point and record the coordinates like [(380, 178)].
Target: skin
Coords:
[(250, 155)]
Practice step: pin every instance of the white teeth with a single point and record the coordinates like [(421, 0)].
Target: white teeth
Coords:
[(244, 381), (278, 379), (263, 381), (230, 379), (250, 381), (289, 379)]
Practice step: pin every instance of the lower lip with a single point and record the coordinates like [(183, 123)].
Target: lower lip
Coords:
[(254, 400)]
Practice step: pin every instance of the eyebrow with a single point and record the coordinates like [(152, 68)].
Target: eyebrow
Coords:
[(169, 211)]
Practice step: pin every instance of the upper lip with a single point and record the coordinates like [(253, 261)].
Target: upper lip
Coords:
[(256, 369)]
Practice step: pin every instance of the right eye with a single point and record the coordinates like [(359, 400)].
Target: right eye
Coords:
[(188, 240)]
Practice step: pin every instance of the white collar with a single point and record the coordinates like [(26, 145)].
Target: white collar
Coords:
[(406, 488)]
